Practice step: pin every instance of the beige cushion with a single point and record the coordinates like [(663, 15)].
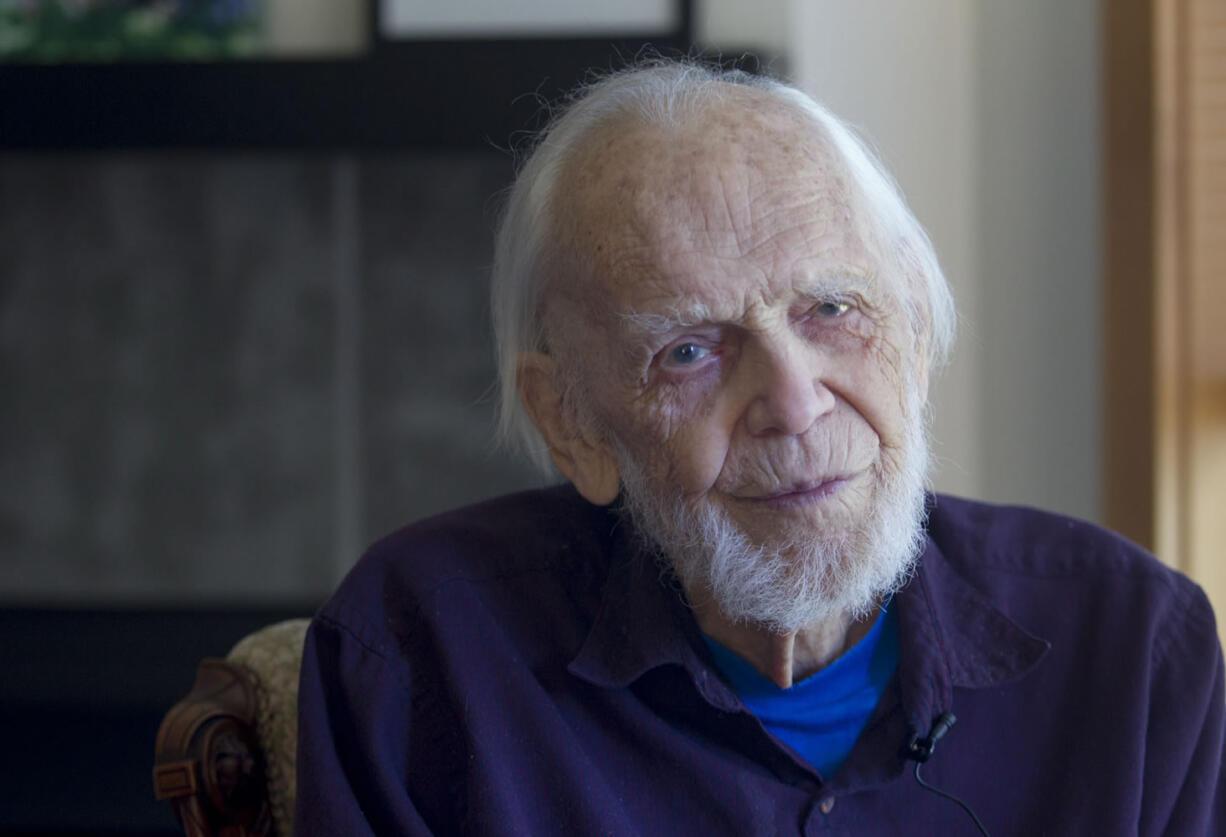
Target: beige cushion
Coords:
[(274, 655)]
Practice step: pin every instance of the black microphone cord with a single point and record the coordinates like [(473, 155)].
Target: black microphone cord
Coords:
[(920, 750), (951, 798)]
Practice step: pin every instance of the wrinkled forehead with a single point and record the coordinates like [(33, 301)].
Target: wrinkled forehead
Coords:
[(644, 199)]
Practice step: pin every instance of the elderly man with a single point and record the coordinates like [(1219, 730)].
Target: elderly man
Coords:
[(717, 318)]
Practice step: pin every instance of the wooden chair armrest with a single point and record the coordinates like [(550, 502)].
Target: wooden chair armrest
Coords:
[(208, 761)]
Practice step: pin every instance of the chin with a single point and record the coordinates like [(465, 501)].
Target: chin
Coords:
[(792, 561), (834, 516)]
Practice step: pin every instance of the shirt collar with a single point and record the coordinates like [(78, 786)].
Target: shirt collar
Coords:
[(643, 621), (950, 635)]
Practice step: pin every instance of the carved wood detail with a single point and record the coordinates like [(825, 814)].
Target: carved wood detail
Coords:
[(208, 761)]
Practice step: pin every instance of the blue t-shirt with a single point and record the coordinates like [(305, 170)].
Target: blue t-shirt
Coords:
[(821, 716)]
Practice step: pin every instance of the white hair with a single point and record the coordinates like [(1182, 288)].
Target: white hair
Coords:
[(664, 92)]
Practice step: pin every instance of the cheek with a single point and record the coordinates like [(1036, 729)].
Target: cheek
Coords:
[(682, 438), (700, 453), (876, 385)]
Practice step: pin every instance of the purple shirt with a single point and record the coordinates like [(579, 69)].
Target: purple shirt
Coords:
[(520, 667)]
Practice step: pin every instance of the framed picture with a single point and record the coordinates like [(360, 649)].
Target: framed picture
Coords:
[(418, 19)]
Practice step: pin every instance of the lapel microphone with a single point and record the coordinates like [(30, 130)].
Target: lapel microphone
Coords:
[(920, 750)]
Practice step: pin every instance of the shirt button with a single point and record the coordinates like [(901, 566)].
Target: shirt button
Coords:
[(827, 805)]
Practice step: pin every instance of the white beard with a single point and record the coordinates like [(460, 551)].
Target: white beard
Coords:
[(787, 585)]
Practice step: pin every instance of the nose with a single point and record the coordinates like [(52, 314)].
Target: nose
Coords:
[(788, 392)]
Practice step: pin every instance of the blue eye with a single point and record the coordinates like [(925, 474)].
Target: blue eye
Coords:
[(832, 309), (685, 354)]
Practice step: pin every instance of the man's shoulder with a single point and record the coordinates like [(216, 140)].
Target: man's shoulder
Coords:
[(1012, 549), (544, 533), (501, 535), (1025, 539)]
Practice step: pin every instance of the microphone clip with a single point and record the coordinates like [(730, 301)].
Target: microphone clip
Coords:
[(921, 749)]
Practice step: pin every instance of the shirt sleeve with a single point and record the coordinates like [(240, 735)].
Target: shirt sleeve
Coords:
[(1186, 741), (353, 734)]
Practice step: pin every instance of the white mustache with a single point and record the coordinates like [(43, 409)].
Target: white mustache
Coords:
[(800, 463)]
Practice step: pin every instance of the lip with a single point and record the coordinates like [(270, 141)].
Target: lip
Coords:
[(802, 493)]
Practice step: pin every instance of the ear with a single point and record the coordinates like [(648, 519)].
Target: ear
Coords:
[(582, 458)]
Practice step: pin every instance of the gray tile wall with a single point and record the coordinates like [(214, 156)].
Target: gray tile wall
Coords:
[(223, 374)]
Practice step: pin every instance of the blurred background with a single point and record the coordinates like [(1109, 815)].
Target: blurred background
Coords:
[(244, 249)]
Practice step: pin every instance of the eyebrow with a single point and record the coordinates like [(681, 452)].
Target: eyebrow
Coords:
[(834, 284), (679, 317)]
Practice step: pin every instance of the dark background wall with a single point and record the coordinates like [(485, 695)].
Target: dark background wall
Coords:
[(224, 373)]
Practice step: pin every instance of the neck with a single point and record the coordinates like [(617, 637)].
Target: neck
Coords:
[(785, 658)]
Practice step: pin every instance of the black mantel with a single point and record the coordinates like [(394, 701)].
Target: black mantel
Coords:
[(400, 94)]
